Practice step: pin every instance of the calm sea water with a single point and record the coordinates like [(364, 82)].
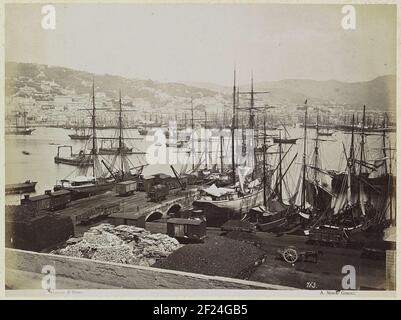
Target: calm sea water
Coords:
[(42, 145)]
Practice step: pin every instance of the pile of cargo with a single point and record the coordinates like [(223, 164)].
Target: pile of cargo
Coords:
[(121, 244), (217, 256)]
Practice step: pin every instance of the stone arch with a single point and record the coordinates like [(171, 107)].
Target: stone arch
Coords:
[(154, 216), (174, 209)]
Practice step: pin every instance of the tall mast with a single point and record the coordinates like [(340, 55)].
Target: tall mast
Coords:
[(221, 153), (233, 126), (206, 141), (251, 115), (303, 195), (94, 146), (316, 158), (236, 108), (280, 186), (264, 163), (120, 137), (361, 156), (192, 126), (24, 113), (384, 147), (351, 149), (351, 162)]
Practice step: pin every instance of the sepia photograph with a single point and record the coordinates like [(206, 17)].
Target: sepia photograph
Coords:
[(232, 146)]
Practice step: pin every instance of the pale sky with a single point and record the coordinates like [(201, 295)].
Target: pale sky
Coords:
[(202, 43)]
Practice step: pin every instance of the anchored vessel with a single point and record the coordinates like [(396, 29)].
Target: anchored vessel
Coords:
[(79, 160), (18, 129), (80, 134), (24, 187)]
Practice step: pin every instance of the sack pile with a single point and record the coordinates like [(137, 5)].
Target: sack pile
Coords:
[(121, 244)]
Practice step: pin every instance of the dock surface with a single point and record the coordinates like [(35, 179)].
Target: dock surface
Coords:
[(136, 204)]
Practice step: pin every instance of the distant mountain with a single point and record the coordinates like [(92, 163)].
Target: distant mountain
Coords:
[(211, 86), (156, 93), (377, 94)]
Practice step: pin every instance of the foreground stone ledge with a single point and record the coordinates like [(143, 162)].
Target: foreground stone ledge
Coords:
[(23, 271)]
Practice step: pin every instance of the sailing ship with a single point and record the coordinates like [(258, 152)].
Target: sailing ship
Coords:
[(80, 133), (274, 212), (85, 185), (325, 133), (222, 204), (18, 129), (80, 160), (285, 139), (143, 131), (113, 150), (374, 174), (120, 167), (349, 210)]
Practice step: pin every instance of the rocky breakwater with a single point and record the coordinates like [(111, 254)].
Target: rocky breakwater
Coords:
[(121, 244)]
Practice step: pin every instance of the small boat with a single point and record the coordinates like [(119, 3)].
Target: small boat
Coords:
[(26, 152), (142, 131), (74, 161), (18, 129), (80, 133), (285, 140), (76, 136), (272, 217), (125, 150), (79, 160), (24, 187), (178, 144), (324, 132)]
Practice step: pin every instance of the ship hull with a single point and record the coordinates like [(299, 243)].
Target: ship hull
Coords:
[(271, 219), (114, 151), (78, 137), (80, 192), (20, 188), (73, 162), (340, 181), (285, 141), (25, 132), (220, 211)]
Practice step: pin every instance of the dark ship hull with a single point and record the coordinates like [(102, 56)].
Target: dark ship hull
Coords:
[(285, 141), (78, 162), (19, 132), (25, 187), (79, 137)]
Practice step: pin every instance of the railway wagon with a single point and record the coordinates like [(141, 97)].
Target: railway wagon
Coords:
[(328, 237), (48, 201), (146, 183), (126, 188), (40, 202), (187, 230), (59, 199), (158, 192)]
